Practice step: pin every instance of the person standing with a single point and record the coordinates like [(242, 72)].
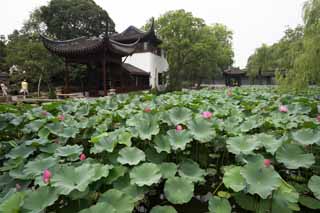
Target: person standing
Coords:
[(4, 89), (24, 88)]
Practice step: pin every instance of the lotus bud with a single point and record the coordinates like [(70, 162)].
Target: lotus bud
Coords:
[(267, 162), (18, 186), (60, 117), (44, 113), (82, 157), (46, 176), (318, 118), (283, 108), (229, 93), (207, 115), (147, 109), (179, 128)]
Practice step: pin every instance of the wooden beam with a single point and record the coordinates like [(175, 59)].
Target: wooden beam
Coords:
[(104, 76), (66, 78)]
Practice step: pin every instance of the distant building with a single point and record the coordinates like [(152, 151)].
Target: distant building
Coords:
[(235, 76)]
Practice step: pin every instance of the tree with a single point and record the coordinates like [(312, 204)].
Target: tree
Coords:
[(67, 19), (2, 53), (195, 51), (29, 54)]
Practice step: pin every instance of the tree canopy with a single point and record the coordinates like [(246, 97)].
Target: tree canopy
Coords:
[(195, 51)]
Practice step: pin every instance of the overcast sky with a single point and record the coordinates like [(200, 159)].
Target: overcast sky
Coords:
[(253, 22)]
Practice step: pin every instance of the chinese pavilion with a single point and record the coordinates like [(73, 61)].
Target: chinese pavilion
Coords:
[(103, 57)]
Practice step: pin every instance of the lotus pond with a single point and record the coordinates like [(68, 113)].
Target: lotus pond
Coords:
[(249, 149)]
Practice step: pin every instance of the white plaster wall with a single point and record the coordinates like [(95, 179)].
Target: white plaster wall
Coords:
[(151, 63)]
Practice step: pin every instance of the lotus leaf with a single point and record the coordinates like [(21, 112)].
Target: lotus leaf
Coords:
[(146, 126), (34, 126), (121, 202), (163, 209), (37, 201), (179, 115), (168, 170), (233, 179), (12, 202), (293, 156), (123, 184), (269, 142), (178, 190), (314, 185), (242, 145), (99, 208), (124, 137), (162, 143), (191, 170), (309, 202), (69, 151), (306, 136), (285, 198), (37, 142), (37, 166), (179, 140), (115, 173), (69, 178), (21, 151), (260, 180), (131, 156), (145, 174), (219, 205), (201, 130), (105, 142)]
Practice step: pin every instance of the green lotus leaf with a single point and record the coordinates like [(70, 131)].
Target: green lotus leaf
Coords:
[(260, 180), (242, 145), (154, 157), (124, 137), (163, 209), (179, 140), (201, 130), (37, 166), (50, 149), (69, 151), (123, 184), (60, 130), (219, 205), (121, 202), (178, 190), (69, 178), (37, 142), (314, 185), (21, 151), (285, 198), (145, 174), (12, 202), (146, 127), (99, 208), (38, 200), (270, 143), (293, 157), (306, 136), (115, 173), (97, 138), (34, 126), (246, 201), (162, 143), (106, 142), (191, 170), (179, 115), (309, 202), (233, 179), (168, 170), (131, 156)]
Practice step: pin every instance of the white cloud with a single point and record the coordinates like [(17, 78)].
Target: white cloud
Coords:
[(253, 21)]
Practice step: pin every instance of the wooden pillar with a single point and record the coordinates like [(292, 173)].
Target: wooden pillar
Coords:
[(66, 78), (104, 76)]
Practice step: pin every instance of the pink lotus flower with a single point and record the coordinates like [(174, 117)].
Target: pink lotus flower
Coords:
[(318, 118), (267, 162), (147, 109), (179, 128), (45, 113), (60, 117), (18, 186), (283, 108), (229, 93), (82, 157), (207, 115), (46, 176)]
